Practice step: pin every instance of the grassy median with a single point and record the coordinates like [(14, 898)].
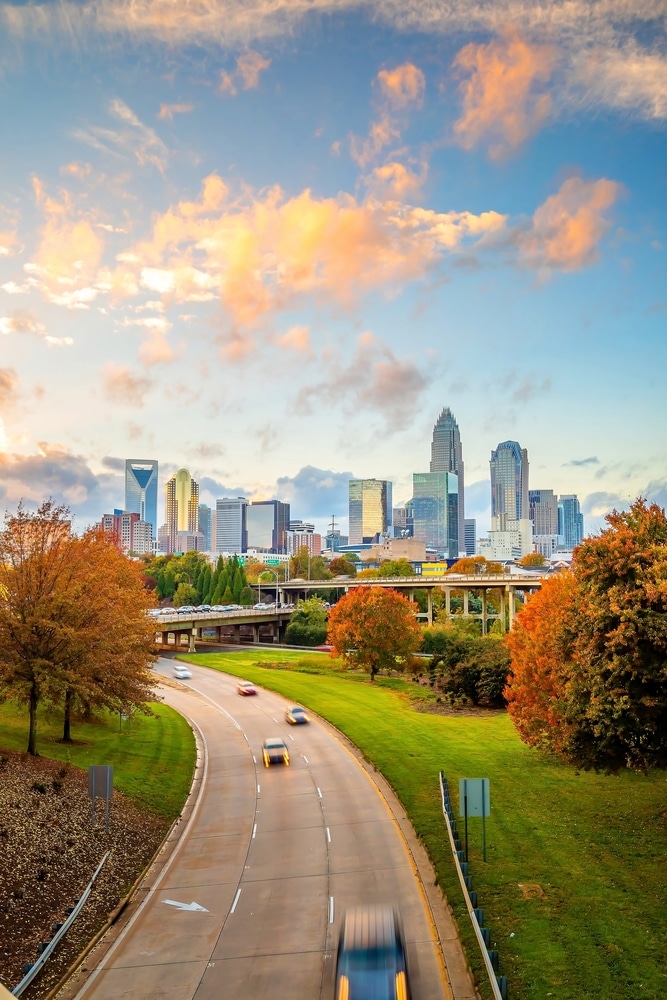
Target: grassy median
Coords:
[(153, 756), (574, 889)]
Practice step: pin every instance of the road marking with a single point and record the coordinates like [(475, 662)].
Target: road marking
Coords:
[(331, 909), (291, 737), (254, 831), (328, 834), (274, 719), (185, 906), (254, 759), (258, 789), (305, 758), (319, 793), (236, 899)]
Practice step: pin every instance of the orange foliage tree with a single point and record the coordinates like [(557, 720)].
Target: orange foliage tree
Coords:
[(475, 565), (374, 627)]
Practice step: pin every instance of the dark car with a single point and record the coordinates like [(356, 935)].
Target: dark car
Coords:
[(274, 751), (296, 716), (371, 961)]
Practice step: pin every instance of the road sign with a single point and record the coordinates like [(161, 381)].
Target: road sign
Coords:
[(475, 800), (100, 786)]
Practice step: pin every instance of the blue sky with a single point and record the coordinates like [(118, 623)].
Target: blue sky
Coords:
[(270, 241)]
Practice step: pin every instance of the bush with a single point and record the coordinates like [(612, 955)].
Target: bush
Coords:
[(305, 635)]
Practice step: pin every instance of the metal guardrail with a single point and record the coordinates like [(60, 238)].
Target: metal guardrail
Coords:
[(498, 983), (48, 951)]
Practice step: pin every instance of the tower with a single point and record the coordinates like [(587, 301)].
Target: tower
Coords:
[(370, 509), (181, 506), (141, 489), (509, 481), (447, 456)]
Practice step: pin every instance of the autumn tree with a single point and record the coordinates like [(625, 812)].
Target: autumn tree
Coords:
[(342, 566), (533, 560), (475, 566), (73, 620), (373, 627)]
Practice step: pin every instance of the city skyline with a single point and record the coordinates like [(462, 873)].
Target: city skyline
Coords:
[(272, 248)]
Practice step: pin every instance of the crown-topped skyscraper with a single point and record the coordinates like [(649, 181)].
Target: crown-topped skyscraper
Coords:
[(447, 456)]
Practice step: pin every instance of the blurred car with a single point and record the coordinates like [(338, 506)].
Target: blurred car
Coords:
[(296, 716), (274, 751), (154, 612), (246, 687), (371, 960), (262, 606), (186, 609), (203, 607), (182, 673), (218, 607)]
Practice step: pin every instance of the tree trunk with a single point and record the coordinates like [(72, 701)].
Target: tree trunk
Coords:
[(67, 724), (32, 729)]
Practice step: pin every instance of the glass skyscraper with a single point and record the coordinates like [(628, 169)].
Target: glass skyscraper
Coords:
[(370, 510), (435, 512), (267, 523), (509, 481), (141, 490), (570, 521), (447, 456), (230, 524), (181, 506)]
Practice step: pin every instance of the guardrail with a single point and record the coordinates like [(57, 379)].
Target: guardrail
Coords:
[(32, 970), (482, 933)]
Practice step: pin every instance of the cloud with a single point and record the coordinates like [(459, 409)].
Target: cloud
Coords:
[(318, 492), (7, 244), (22, 322), (114, 464), (500, 104), (523, 388), (627, 79), (249, 66), (9, 383), (568, 227), (381, 133), (11, 288), (396, 181), (120, 386), (134, 139), (577, 462), (402, 87), (297, 338), (374, 379), (167, 111)]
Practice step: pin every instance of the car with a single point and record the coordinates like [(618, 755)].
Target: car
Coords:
[(274, 751), (371, 960), (168, 611), (246, 687), (263, 607), (186, 609), (218, 607), (154, 612), (296, 716), (204, 607), (182, 673)]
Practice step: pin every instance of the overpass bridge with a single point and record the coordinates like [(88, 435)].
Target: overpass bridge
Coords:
[(226, 624)]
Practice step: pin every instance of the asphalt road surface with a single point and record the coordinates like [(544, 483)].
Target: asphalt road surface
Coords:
[(248, 903)]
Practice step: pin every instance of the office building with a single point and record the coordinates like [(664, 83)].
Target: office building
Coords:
[(470, 536), (434, 511), (570, 521), (402, 521), (141, 490), (543, 511), (206, 526), (447, 456), (130, 533), (267, 523), (230, 525), (370, 510), (509, 481), (181, 507), (507, 540)]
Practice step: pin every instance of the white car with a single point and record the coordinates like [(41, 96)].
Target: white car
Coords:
[(182, 673)]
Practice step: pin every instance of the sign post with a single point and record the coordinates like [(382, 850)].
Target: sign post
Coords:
[(100, 785), (474, 800)]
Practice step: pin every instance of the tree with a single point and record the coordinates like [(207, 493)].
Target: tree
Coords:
[(308, 623), (73, 621), (603, 648), (373, 627), (395, 567), (475, 566), (534, 560), (342, 566)]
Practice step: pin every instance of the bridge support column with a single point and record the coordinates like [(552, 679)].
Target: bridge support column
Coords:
[(448, 601), (191, 641), (237, 635), (511, 593), (466, 595), (503, 610), (429, 606), (255, 633), (485, 622), (164, 638)]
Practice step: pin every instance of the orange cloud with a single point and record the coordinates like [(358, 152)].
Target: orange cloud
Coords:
[(402, 87), (249, 66), (394, 180), (121, 386), (568, 227), (167, 111), (7, 243), (381, 134), (297, 339), (500, 105)]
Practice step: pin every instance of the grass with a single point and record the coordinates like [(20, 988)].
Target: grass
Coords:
[(153, 757), (589, 850)]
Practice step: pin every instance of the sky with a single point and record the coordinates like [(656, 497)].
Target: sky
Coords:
[(269, 240)]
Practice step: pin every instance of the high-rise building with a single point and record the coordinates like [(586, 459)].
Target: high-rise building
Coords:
[(435, 512), (129, 532), (267, 523), (509, 481), (402, 521), (205, 526), (141, 490), (570, 521), (470, 536), (231, 534), (543, 511), (181, 507), (370, 510), (447, 456)]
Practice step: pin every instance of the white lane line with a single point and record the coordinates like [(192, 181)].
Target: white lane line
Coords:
[(274, 719), (254, 831), (328, 834), (331, 909), (236, 899), (319, 793), (291, 737), (305, 758), (258, 789), (254, 759)]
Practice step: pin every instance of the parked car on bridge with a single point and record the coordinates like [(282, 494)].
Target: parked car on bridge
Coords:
[(186, 609)]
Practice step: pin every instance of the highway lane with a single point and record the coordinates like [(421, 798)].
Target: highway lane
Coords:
[(272, 856)]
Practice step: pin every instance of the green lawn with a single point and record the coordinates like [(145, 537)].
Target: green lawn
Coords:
[(590, 850), (153, 756)]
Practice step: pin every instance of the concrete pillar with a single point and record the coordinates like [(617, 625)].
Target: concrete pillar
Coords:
[(429, 595), (503, 608), (237, 635), (466, 610), (511, 593), (164, 638), (485, 627), (191, 641), (448, 601), (255, 633)]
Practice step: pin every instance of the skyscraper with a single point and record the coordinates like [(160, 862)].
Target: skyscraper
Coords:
[(447, 456), (570, 521), (205, 526), (181, 506), (509, 481), (267, 524), (543, 511), (370, 510), (141, 489), (435, 512)]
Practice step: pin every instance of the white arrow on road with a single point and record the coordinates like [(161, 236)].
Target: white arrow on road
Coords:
[(185, 906)]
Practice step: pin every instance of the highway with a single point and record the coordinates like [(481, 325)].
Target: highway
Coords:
[(247, 899)]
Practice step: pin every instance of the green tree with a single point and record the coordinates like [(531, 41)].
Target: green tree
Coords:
[(374, 627), (308, 623), (185, 594), (395, 567), (342, 566)]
